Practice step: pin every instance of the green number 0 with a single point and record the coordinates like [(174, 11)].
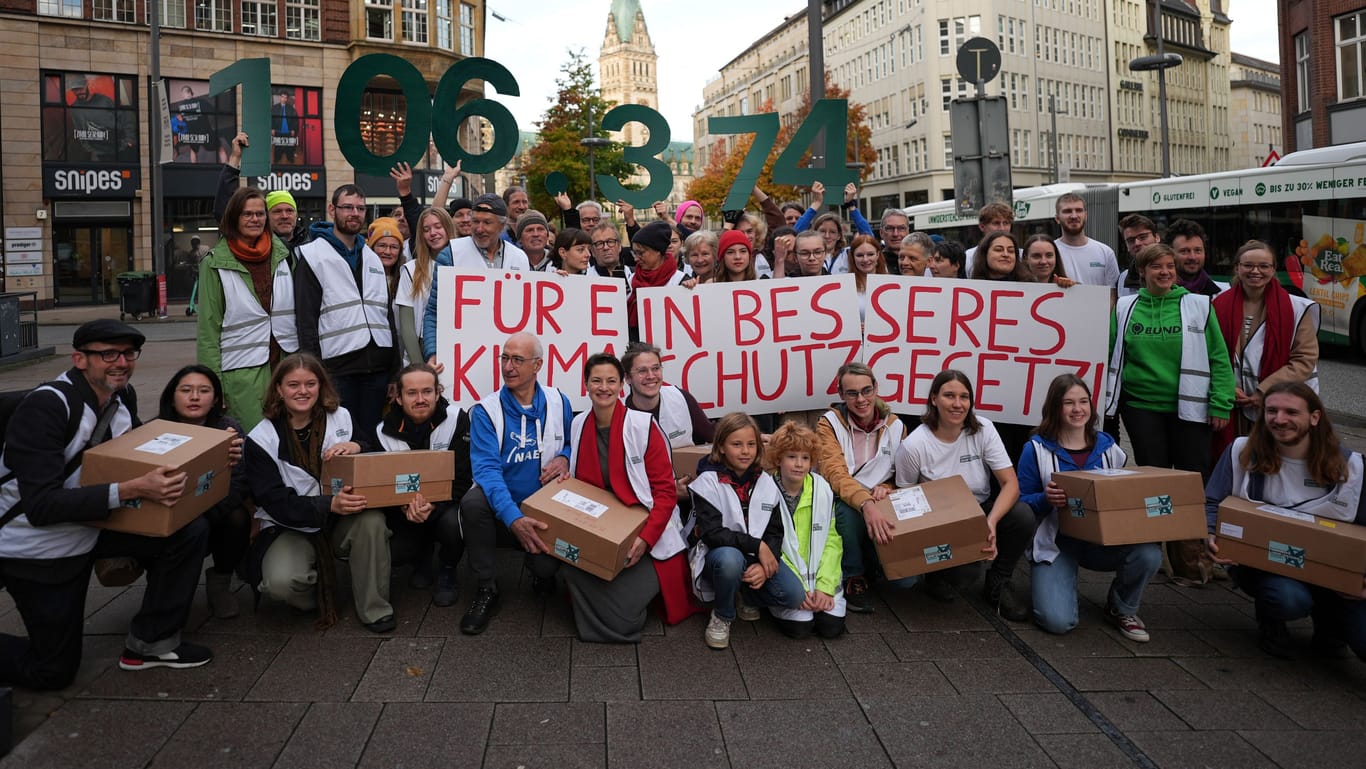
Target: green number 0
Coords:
[(253, 75), (643, 155), (446, 133), (346, 115)]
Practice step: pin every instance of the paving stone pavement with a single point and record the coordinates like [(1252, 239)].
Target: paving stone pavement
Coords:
[(914, 684)]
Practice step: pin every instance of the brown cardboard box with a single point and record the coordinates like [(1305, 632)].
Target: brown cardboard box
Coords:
[(588, 527), (1131, 505), (939, 525), (687, 457), (391, 478), (1319, 551), (201, 452)]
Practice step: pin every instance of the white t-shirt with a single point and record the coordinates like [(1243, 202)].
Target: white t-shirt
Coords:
[(1093, 264), (974, 456), (403, 297), (1292, 485)]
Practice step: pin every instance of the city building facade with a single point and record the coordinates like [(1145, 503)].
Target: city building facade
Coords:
[(1255, 110), (1323, 70)]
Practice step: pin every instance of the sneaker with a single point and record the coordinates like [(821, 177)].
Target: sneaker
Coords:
[(940, 588), (718, 632), (446, 591), (744, 611), (999, 595), (385, 624), (1129, 625), (856, 595), (482, 609), (1186, 582), (1273, 637), (186, 655)]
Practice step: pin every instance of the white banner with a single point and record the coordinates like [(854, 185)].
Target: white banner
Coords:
[(761, 346), (573, 316), (1011, 339)]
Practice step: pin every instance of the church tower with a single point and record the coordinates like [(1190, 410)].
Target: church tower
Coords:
[(627, 64)]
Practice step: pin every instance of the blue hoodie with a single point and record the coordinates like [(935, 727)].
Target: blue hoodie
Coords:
[(443, 258), (325, 230), (509, 470), (1031, 485)]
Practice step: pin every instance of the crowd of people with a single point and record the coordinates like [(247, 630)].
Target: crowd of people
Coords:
[(320, 340)]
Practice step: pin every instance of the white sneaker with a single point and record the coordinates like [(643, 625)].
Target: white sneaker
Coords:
[(718, 632)]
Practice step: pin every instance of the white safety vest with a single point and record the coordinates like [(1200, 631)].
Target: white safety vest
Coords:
[(879, 468), (822, 521), (636, 437), (550, 434), (441, 438), (282, 321), (1338, 503), (675, 419), (1247, 366), (1192, 386), (465, 256), (1045, 545), (349, 319), (304, 484), (764, 501), (244, 340)]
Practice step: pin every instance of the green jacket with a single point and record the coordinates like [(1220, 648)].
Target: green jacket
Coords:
[(829, 571), (210, 296), (1152, 356)]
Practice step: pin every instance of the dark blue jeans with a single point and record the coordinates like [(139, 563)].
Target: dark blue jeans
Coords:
[(725, 566), (364, 395), (1282, 599)]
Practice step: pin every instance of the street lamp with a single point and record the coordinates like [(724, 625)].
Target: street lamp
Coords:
[(1161, 63), (592, 142)]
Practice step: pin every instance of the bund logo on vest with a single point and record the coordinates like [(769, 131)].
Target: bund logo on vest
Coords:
[(1138, 329)]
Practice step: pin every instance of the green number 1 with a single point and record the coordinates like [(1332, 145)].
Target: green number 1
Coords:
[(253, 75), (643, 155)]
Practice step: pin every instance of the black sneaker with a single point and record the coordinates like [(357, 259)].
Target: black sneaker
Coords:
[(482, 609), (446, 590), (856, 596), (543, 586), (422, 577), (385, 624), (186, 655), (999, 596), (1274, 639), (940, 588)]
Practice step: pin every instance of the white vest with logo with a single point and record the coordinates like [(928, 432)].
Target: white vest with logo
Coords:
[(674, 416), (1192, 386), (822, 521), (1339, 503), (550, 433), (349, 319), (244, 341), (764, 501), (304, 484), (441, 438), (1045, 545), (636, 437), (1247, 367), (282, 322), (879, 468)]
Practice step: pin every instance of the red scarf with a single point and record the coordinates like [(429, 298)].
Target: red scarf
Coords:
[(643, 278), (1280, 324), (251, 253)]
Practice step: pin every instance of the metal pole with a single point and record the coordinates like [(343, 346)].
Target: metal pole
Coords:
[(815, 54), (1053, 137), (1162, 90), (154, 132)]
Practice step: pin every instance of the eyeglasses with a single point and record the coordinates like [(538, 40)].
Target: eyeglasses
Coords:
[(866, 392), (818, 252), (350, 208), (253, 214), (589, 220), (515, 360), (606, 243), (1257, 267), (1142, 237), (109, 356), (895, 228), (643, 370)]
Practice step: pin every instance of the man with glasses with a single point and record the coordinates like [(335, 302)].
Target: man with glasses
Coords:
[(518, 443), (607, 253), (1138, 232), (46, 550), (895, 227), (341, 306)]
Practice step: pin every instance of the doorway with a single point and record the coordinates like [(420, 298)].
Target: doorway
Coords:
[(87, 259)]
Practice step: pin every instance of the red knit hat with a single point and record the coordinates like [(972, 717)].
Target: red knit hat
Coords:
[(732, 238)]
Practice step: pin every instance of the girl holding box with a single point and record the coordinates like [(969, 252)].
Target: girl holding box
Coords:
[(814, 550)]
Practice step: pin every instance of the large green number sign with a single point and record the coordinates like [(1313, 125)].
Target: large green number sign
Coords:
[(441, 117)]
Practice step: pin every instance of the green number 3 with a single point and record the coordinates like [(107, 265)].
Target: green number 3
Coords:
[(643, 155)]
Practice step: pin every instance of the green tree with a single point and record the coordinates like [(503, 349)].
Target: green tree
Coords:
[(564, 124)]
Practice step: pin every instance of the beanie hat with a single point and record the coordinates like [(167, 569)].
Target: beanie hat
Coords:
[(731, 238), (277, 197), (656, 235), (529, 218), (383, 227), (684, 206)]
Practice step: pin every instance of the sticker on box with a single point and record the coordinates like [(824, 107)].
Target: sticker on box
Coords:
[(1293, 515), (164, 443), (1076, 507), (1112, 471), (583, 504), (1158, 505), (1230, 530), (407, 483), (939, 553), (337, 486), (566, 551), (1286, 555), (203, 483), (910, 503)]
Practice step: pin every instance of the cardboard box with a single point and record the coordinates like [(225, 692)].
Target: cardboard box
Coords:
[(392, 478), (1132, 505), (1319, 551), (588, 527), (201, 452), (939, 525), (687, 457)]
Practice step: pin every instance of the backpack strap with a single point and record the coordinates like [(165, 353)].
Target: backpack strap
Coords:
[(73, 424)]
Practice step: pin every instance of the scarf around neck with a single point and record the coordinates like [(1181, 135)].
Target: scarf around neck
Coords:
[(1280, 324), (648, 278), (251, 253)]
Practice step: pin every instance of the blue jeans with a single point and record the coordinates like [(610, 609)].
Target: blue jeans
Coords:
[(725, 566), (854, 533), (1055, 584), (1284, 599)]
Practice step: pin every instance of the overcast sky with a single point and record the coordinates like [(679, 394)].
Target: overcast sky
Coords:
[(694, 40)]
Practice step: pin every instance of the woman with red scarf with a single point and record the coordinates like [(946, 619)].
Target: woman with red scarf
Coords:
[(236, 287), (625, 452), (1272, 336), (654, 267)]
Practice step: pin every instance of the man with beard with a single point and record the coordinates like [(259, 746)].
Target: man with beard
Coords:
[(341, 306), (1085, 260), (1188, 241), (1294, 460)]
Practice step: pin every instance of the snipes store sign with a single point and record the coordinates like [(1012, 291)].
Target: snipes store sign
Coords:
[(88, 183)]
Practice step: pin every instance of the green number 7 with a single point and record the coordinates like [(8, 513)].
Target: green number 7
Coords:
[(764, 126)]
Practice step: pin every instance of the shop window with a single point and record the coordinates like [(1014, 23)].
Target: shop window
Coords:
[(89, 118), (202, 127), (382, 115), (296, 126)]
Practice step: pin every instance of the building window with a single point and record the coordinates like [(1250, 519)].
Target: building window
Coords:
[(379, 19), (415, 21), (90, 118), (466, 29), (1302, 71), (213, 15), (69, 8), (1351, 40), (445, 24), (173, 13), (948, 150), (114, 10), (302, 20), (382, 116), (259, 18)]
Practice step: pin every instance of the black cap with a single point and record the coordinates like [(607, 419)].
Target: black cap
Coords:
[(106, 330), (656, 235), (490, 203)]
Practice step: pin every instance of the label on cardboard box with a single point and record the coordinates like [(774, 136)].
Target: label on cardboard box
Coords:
[(164, 443), (910, 503), (583, 504), (203, 483), (1286, 555), (1077, 507), (1231, 530), (939, 554), (566, 551), (1112, 471), (1158, 505), (1286, 513), (408, 483)]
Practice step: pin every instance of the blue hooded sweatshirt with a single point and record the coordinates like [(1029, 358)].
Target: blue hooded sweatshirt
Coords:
[(509, 470), (443, 258), (1031, 486)]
